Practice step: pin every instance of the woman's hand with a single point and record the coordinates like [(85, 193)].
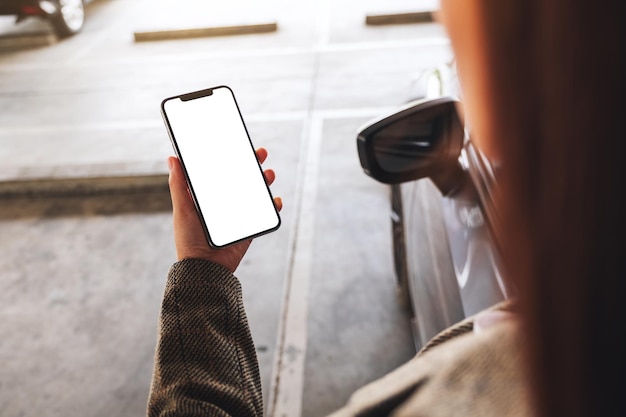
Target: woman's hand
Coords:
[(188, 234)]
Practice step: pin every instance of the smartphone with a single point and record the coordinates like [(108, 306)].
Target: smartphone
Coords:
[(223, 174)]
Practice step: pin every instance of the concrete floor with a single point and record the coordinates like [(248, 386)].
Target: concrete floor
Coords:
[(83, 267)]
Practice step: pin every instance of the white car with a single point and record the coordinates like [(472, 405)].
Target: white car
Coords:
[(446, 261)]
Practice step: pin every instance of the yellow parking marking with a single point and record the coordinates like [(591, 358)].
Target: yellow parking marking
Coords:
[(159, 35), (399, 18)]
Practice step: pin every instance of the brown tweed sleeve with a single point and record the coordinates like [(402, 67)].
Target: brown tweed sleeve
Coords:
[(205, 362)]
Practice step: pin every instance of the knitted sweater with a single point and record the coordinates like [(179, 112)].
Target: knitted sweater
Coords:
[(206, 365)]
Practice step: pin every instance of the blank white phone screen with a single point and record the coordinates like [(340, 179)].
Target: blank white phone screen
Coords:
[(232, 197)]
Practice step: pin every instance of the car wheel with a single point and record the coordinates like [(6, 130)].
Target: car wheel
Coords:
[(70, 18), (399, 249)]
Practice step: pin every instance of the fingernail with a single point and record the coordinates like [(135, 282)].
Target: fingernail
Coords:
[(169, 163)]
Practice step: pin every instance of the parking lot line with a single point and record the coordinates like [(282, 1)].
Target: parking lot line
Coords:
[(160, 35), (75, 61), (140, 124), (399, 18), (288, 372)]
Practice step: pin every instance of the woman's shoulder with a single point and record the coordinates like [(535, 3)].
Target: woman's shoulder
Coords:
[(465, 372)]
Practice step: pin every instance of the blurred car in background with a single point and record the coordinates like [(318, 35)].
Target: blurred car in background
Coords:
[(446, 261), (67, 17)]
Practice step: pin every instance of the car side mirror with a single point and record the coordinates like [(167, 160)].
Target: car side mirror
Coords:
[(422, 139)]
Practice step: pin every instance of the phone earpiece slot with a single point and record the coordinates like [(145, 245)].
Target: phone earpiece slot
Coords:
[(197, 94)]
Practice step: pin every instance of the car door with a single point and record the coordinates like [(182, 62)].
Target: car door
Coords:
[(446, 261)]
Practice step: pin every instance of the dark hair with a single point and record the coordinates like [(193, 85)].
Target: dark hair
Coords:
[(556, 106)]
